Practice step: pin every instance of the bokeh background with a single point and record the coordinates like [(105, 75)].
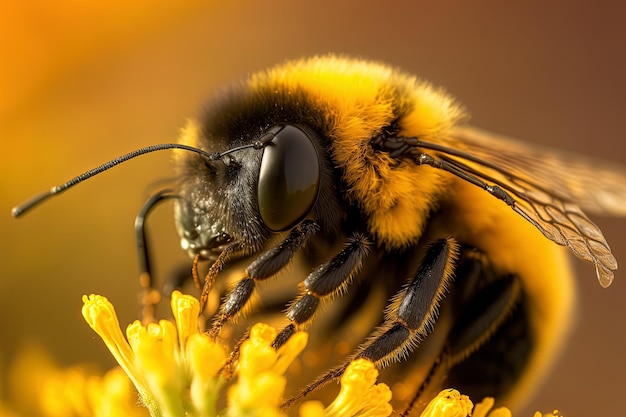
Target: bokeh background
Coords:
[(82, 82)]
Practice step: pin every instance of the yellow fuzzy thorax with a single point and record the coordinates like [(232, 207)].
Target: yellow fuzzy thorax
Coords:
[(360, 99)]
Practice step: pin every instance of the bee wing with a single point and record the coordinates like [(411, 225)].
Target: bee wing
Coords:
[(595, 185), (548, 188)]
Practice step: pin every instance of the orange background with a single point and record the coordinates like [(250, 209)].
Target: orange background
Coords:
[(80, 84)]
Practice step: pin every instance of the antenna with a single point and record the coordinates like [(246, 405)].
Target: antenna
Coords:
[(34, 201)]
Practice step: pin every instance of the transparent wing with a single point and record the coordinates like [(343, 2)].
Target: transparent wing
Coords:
[(548, 188), (595, 185)]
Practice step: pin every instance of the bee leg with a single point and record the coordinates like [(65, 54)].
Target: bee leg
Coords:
[(325, 281), (481, 309), (409, 320), (229, 367), (149, 295), (211, 274), (481, 301), (413, 315), (490, 341), (176, 278), (265, 266)]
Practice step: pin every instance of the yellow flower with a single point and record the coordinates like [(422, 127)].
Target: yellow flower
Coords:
[(42, 388), (359, 394), (174, 368), (448, 403), (451, 403), (177, 370), (261, 381)]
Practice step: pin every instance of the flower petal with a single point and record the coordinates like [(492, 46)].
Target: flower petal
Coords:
[(449, 403)]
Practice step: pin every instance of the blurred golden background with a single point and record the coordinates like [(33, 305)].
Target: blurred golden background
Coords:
[(82, 82)]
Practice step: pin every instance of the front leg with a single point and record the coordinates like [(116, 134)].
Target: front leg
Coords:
[(264, 267), (327, 280)]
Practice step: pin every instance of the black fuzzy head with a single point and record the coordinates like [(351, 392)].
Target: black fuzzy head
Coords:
[(248, 195)]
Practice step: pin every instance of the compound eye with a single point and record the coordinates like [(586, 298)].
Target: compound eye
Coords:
[(289, 178)]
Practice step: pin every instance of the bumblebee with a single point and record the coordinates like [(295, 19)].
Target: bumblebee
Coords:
[(436, 250)]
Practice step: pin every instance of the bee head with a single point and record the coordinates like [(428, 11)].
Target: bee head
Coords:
[(248, 192)]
